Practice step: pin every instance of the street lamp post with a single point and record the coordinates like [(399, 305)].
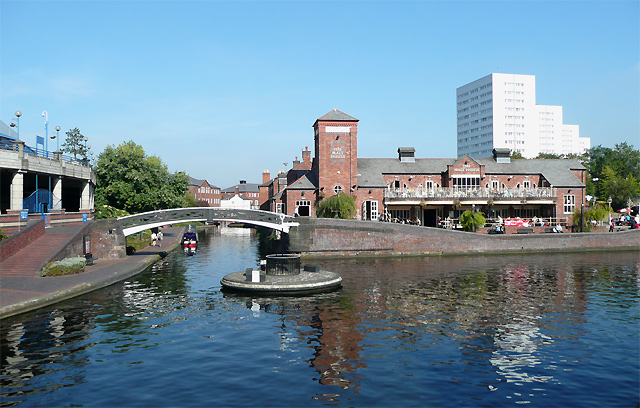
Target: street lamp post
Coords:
[(609, 202), (473, 218), (18, 114), (85, 147), (57, 137), (45, 115)]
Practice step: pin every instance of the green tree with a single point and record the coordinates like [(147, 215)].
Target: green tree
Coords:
[(75, 144), (618, 187), (549, 156), (597, 212), (128, 179), (469, 218), (337, 206), (623, 160), (516, 155), (190, 200)]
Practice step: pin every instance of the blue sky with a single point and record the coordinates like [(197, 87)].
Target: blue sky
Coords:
[(223, 90)]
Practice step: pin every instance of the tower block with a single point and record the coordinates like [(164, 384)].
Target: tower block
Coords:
[(336, 149)]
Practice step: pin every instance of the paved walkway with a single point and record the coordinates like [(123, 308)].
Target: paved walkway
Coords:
[(22, 289)]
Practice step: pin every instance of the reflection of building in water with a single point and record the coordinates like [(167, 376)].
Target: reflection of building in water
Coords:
[(517, 341), (516, 352), (227, 230), (28, 349), (334, 334), (497, 317)]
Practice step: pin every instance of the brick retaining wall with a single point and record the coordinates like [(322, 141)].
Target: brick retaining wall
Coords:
[(34, 229), (320, 237)]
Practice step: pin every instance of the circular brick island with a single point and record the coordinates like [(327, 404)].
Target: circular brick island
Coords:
[(282, 275)]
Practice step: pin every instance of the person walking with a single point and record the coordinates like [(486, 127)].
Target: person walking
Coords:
[(154, 238)]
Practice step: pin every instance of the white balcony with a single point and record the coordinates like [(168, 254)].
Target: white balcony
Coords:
[(439, 194)]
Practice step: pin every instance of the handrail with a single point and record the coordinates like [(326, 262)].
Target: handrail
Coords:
[(31, 151), (471, 193)]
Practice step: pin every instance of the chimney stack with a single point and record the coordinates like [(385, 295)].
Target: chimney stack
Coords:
[(306, 156)]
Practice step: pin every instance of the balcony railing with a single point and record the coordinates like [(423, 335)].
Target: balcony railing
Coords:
[(28, 150), (452, 193)]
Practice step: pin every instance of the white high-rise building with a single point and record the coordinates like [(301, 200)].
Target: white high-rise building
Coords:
[(500, 111)]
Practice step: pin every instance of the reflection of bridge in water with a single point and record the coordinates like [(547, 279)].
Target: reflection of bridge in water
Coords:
[(153, 219)]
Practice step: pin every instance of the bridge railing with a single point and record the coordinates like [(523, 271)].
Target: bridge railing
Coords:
[(139, 222), (452, 193)]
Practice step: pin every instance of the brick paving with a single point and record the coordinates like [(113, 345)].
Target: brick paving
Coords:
[(27, 262), (22, 289)]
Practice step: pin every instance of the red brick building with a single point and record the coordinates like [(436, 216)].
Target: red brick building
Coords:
[(205, 192), (410, 188)]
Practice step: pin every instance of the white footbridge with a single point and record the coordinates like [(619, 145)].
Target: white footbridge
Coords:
[(132, 224)]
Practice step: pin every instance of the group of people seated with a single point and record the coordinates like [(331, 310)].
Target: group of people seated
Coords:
[(388, 218)]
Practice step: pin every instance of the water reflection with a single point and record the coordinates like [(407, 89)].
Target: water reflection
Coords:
[(317, 322), (416, 331)]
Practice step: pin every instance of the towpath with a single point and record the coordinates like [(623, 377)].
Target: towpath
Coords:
[(22, 288)]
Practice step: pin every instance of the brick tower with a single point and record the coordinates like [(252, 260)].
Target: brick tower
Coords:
[(336, 148)]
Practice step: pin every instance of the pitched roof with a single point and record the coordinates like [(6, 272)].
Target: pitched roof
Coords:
[(465, 158), (243, 188), (309, 181), (336, 115), (197, 182), (558, 172)]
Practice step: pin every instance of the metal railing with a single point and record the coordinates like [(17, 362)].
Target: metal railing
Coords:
[(454, 223), (31, 151), (283, 264), (452, 193)]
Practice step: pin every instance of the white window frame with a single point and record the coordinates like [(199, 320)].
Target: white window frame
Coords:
[(337, 189), (569, 203), (374, 210)]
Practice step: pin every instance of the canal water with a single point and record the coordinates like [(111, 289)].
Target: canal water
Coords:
[(545, 330)]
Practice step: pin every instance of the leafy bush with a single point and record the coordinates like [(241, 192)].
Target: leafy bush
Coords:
[(67, 266), (597, 212), (337, 206), (3, 236), (107, 211), (468, 218), (138, 241)]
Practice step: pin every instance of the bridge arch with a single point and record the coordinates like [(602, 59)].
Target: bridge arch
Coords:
[(132, 224)]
